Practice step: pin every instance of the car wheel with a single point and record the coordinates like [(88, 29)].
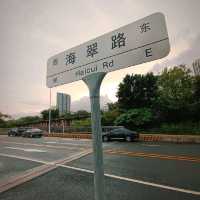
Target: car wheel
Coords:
[(128, 139), (105, 139)]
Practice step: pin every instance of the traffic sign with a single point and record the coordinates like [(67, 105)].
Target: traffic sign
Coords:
[(139, 42)]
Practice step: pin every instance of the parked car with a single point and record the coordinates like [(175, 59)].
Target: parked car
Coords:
[(17, 131), (34, 132), (120, 134)]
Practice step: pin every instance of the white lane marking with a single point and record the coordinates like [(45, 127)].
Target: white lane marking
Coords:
[(74, 157), (26, 150), (108, 175), (138, 181), (73, 144), (50, 142), (34, 172), (76, 168), (41, 145), (23, 158), (56, 162), (151, 145)]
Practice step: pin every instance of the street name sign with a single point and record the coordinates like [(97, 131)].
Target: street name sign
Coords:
[(139, 42)]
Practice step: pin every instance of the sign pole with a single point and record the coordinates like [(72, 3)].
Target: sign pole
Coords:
[(93, 82), (50, 111), (63, 124)]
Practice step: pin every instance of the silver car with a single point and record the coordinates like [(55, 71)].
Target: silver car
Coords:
[(34, 132)]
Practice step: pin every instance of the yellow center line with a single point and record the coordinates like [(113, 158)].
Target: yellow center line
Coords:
[(153, 155)]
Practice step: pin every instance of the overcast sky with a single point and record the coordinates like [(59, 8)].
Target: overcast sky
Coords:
[(34, 30)]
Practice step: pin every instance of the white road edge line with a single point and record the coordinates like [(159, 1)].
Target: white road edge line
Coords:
[(137, 181)]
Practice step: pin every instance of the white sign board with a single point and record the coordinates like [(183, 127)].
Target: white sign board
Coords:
[(139, 42)]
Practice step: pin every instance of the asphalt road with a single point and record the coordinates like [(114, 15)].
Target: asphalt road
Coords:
[(55, 169)]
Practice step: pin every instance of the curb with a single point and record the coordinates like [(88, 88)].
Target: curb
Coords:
[(143, 137), (170, 138)]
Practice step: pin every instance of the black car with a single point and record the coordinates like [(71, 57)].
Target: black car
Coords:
[(17, 131), (34, 132), (120, 133)]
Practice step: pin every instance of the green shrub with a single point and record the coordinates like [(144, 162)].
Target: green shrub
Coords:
[(190, 128), (135, 118), (81, 123)]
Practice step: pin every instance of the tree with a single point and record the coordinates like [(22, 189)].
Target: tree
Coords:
[(4, 116), (137, 91), (27, 120), (175, 93), (82, 113), (54, 114), (23, 121), (3, 119), (195, 106), (197, 88), (112, 106), (135, 118), (108, 117)]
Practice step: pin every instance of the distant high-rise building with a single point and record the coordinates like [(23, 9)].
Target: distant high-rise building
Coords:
[(196, 67), (63, 103)]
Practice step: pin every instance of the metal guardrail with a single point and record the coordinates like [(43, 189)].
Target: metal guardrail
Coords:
[(80, 129), (3, 131), (69, 129)]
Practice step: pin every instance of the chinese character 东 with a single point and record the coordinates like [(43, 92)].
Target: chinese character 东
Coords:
[(118, 40), (92, 49), (145, 27), (70, 58)]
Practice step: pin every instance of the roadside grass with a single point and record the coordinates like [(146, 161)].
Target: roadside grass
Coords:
[(184, 128)]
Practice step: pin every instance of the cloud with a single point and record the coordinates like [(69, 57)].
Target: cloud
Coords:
[(84, 103), (24, 114), (33, 108), (185, 57), (32, 31)]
